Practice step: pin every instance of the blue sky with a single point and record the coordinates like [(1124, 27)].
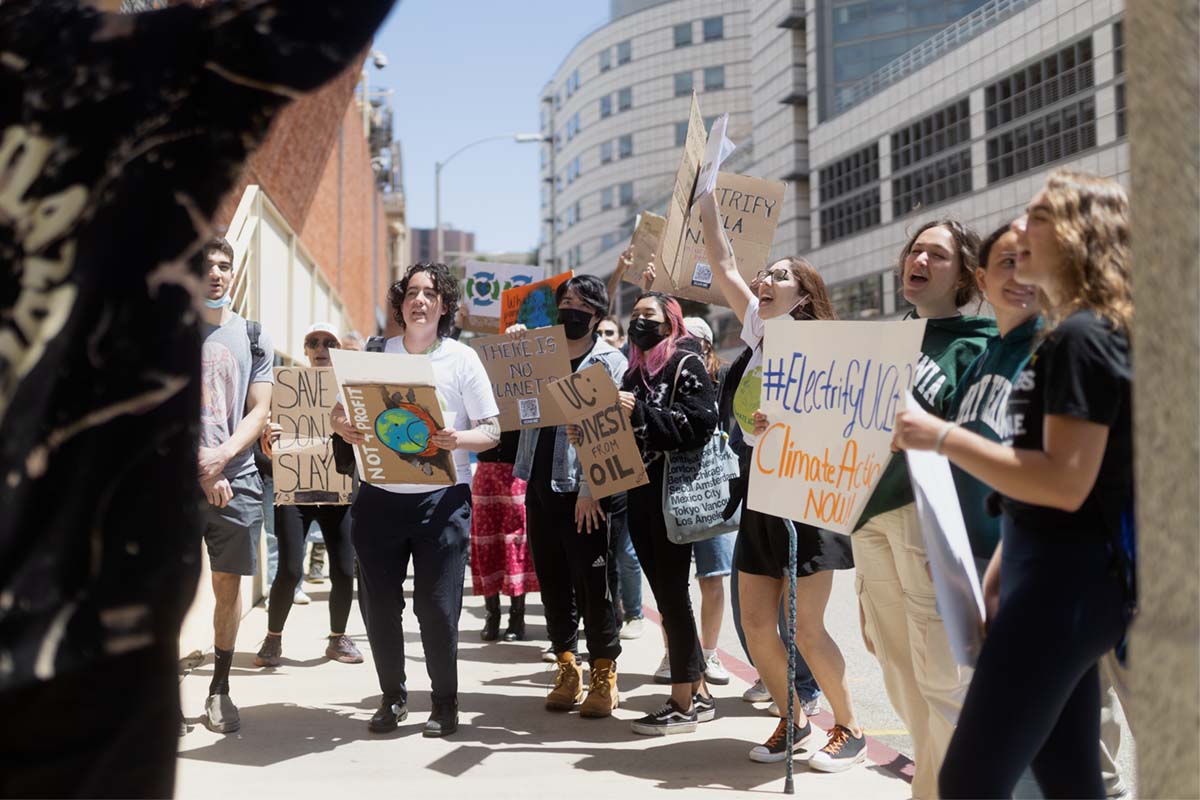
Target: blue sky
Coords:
[(461, 70)]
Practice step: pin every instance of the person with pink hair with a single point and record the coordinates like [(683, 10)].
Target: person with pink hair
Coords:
[(672, 404)]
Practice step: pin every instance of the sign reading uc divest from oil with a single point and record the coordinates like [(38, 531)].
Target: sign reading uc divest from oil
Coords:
[(608, 452), (830, 391)]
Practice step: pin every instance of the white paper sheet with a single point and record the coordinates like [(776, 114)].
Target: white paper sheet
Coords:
[(716, 151), (959, 595)]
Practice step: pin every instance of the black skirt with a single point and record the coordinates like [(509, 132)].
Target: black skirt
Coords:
[(762, 547)]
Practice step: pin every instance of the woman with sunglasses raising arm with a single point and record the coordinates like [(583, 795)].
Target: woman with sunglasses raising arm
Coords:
[(789, 288)]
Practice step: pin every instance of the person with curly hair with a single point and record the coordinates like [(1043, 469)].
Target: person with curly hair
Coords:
[(1056, 591), (395, 523)]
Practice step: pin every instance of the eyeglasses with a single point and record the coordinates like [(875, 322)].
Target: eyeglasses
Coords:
[(776, 275), (330, 344)]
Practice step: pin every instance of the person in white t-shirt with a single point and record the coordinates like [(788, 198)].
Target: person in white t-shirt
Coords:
[(395, 522)]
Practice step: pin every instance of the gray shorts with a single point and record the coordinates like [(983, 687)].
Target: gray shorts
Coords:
[(231, 533)]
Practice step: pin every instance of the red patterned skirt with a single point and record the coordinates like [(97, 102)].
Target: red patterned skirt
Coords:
[(500, 560)]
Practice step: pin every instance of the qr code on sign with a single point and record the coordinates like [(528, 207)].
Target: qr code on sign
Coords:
[(529, 411), (702, 276)]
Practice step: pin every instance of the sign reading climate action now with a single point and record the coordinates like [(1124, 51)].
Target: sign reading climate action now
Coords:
[(830, 391), (520, 370), (609, 453)]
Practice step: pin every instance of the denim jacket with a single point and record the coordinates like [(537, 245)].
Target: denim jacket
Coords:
[(566, 476)]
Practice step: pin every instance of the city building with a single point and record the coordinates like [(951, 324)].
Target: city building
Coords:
[(615, 113), (459, 245), (967, 123)]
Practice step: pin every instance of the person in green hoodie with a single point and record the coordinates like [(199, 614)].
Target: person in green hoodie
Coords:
[(897, 604)]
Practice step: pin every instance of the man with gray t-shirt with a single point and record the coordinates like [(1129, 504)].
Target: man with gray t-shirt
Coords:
[(236, 400)]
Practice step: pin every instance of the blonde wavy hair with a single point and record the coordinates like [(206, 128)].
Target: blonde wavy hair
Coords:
[(1091, 226)]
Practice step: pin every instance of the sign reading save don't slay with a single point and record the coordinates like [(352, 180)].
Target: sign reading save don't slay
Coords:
[(609, 453), (302, 459)]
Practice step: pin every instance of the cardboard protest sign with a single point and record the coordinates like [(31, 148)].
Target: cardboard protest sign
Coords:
[(391, 399), (532, 305), (647, 236), (951, 562), (750, 210), (609, 454), (679, 207), (520, 370), (830, 391), (302, 459), (485, 281)]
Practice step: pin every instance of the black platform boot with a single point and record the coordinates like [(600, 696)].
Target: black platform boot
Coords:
[(516, 620), (491, 626)]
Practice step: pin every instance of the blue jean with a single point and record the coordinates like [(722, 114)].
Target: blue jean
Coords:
[(629, 569), (805, 683)]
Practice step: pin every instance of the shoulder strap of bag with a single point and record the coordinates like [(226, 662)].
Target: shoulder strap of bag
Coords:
[(375, 344), (253, 332), (679, 371)]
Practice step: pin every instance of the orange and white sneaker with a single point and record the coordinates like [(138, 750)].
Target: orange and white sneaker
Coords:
[(841, 752)]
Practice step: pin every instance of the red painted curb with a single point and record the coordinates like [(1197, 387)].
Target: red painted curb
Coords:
[(887, 759)]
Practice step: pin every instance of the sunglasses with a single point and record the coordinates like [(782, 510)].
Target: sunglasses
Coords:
[(776, 275), (330, 344)]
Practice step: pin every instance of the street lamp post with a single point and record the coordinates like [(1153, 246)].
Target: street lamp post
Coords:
[(519, 138)]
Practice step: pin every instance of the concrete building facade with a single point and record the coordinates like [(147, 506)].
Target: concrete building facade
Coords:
[(614, 114), (459, 245)]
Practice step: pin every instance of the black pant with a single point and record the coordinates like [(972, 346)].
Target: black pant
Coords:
[(291, 528), (108, 731), (1035, 697), (434, 530), (668, 568), (572, 570)]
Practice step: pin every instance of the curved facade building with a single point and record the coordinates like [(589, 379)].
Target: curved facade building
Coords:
[(615, 112)]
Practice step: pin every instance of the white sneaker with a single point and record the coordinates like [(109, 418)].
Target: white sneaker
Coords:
[(715, 672), (757, 693), (548, 655), (810, 708), (300, 598), (663, 673), (633, 628)]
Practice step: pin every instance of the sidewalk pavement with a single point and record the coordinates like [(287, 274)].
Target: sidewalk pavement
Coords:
[(304, 731)]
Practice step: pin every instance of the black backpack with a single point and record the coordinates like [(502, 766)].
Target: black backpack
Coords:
[(343, 452)]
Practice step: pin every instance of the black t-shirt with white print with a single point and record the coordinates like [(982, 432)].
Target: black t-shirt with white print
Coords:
[(1082, 370)]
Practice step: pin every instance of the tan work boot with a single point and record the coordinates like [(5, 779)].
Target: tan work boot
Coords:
[(568, 684), (602, 690)]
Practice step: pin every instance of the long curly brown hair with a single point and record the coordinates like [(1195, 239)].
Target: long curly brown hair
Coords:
[(812, 284), (1091, 226)]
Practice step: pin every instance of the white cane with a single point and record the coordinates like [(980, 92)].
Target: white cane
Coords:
[(788, 787)]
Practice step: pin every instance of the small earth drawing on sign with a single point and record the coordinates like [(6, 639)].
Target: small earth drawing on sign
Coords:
[(538, 310), (406, 429)]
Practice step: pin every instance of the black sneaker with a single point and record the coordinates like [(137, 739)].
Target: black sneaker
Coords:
[(705, 707), (443, 720), (774, 749), (842, 752), (667, 720), (388, 717)]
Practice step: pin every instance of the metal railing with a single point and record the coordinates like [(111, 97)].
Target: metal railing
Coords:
[(985, 17)]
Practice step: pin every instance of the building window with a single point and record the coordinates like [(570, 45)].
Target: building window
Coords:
[(578, 253), (681, 133), (571, 217), (714, 78), (605, 60), (625, 146), (1120, 103), (624, 52), (558, 101), (573, 83), (606, 198), (933, 183), (578, 211), (942, 130), (1118, 33), (683, 84), (860, 299), (849, 174), (1057, 135), (1041, 84), (714, 28), (606, 152), (625, 193), (558, 184), (624, 99), (605, 106), (848, 217), (683, 34), (558, 142), (574, 169)]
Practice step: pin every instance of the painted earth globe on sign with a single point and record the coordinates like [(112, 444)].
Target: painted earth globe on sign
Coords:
[(405, 429)]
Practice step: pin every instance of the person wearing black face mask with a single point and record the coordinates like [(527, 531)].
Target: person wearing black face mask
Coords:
[(567, 530), (646, 333)]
